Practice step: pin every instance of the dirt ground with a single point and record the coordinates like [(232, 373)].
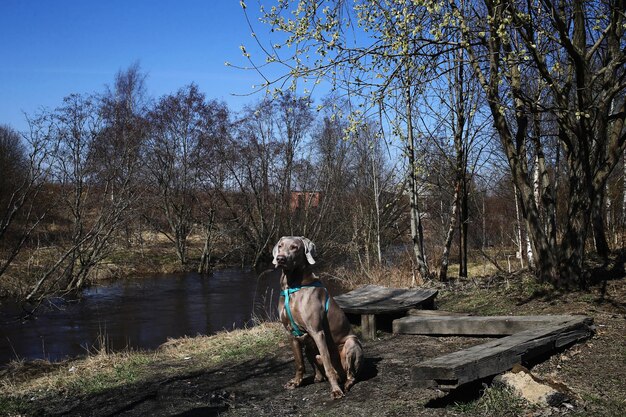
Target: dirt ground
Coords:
[(595, 370)]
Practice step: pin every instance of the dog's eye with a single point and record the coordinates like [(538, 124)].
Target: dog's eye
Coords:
[(294, 247)]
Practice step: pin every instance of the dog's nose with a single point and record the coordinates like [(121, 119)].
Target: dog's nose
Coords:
[(281, 259)]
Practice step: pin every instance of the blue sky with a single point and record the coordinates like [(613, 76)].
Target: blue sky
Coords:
[(52, 48)]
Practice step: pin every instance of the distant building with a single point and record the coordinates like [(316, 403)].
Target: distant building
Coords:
[(304, 199)]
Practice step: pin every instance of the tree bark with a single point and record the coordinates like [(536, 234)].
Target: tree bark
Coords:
[(597, 220), (205, 259), (445, 257), (417, 233), (463, 228)]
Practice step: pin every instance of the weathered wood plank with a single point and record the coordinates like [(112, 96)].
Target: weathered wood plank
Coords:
[(469, 325), (374, 299), (496, 356), (434, 313)]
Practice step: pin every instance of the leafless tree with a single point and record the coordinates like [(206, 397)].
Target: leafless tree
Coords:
[(184, 127), (378, 193), (254, 159), (86, 197), (118, 151), (294, 118), (24, 174), (573, 50)]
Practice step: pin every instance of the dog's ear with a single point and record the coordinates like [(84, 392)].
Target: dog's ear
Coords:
[(309, 250), (275, 251)]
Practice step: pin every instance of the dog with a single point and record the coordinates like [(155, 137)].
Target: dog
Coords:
[(314, 320)]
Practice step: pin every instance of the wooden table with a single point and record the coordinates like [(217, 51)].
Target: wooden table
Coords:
[(373, 300)]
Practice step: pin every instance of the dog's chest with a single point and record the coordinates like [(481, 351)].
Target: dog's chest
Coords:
[(292, 311), (284, 316), (301, 307)]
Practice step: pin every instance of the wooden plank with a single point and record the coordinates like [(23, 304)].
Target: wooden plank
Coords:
[(433, 313), (496, 356), (374, 299), (470, 325)]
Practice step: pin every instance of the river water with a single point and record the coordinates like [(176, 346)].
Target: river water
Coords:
[(138, 313)]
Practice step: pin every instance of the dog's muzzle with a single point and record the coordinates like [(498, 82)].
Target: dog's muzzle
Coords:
[(281, 260)]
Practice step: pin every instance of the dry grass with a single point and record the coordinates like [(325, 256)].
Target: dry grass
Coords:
[(225, 346), (100, 371), (404, 275), (388, 276)]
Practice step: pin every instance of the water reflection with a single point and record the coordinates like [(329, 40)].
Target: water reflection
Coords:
[(140, 313)]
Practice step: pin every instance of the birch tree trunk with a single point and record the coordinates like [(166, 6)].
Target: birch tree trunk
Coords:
[(417, 234)]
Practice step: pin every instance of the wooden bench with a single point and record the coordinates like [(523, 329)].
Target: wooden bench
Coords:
[(373, 300), (526, 337)]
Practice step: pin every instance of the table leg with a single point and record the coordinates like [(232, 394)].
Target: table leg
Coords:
[(368, 326)]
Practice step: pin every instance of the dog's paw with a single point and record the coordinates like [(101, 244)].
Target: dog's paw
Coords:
[(349, 383), (293, 383), (319, 378), (336, 393)]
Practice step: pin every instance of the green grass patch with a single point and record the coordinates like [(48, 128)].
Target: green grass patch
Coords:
[(495, 401), (14, 406), (491, 297), (601, 406), (482, 302)]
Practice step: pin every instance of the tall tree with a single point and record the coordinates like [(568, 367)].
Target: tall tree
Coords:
[(293, 124), (184, 127), (124, 107), (576, 51), (89, 197), (371, 52), (249, 158), (24, 175), (458, 130)]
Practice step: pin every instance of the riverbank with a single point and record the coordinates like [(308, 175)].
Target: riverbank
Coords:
[(243, 372), (151, 254), (40, 387), (136, 313)]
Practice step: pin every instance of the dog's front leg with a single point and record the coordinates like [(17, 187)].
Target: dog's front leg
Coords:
[(320, 341), (296, 347), (310, 350)]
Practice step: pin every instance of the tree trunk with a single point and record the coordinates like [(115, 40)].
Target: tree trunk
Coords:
[(597, 220), (623, 217), (518, 227), (572, 248), (205, 259), (376, 189), (463, 228), (181, 246), (417, 234), (445, 257)]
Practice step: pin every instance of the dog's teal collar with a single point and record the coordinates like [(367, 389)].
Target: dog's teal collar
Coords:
[(295, 330)]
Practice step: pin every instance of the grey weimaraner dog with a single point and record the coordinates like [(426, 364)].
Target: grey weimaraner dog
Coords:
[(314, 320)]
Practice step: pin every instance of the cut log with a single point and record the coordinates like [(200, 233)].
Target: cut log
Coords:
[(497, 356)]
